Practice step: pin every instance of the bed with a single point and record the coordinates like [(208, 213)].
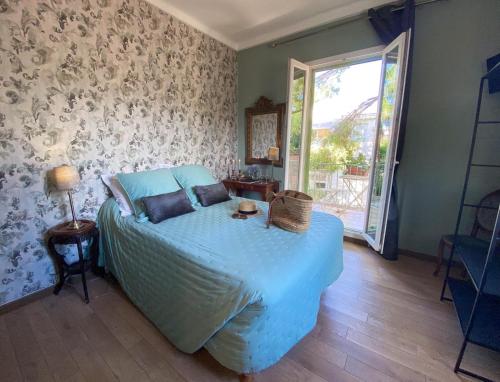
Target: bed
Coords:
[(245, 293)]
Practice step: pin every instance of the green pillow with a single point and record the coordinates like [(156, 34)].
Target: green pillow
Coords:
[(137, 185), (193, 175)]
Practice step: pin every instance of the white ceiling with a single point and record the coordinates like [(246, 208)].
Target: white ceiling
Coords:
[(245, 23)]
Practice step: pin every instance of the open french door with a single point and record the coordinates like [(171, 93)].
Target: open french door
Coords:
[(392, 83), (298, 111)]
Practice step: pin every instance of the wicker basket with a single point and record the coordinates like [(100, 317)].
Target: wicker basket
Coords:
[(290, 210)]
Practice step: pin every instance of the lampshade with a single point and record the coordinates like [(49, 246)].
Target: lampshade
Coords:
[(65, 177), (273, 153)]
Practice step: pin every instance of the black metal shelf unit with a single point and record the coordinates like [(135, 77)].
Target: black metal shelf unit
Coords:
[(477, 300)]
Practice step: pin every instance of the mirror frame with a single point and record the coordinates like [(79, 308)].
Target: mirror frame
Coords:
[(264, 106)]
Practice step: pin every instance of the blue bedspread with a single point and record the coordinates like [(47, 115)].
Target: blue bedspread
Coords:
[(245, 293)]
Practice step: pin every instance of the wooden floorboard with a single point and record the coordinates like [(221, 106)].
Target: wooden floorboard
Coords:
[(28, 353), (9, 370), (380, 322)]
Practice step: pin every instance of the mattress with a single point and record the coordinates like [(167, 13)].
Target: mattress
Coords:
[(244, 292)]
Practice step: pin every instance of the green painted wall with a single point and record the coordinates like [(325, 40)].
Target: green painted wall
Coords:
[(263, 70), (453, 38)]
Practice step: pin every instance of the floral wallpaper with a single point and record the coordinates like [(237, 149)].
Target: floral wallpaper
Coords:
[(106, 86), (264, 129)]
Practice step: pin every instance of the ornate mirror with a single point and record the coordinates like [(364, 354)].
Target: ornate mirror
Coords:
[(264, 125)]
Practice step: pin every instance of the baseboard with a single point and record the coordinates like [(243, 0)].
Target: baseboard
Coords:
[(26, 299), (427, 257), (402, 252), (417, 255)]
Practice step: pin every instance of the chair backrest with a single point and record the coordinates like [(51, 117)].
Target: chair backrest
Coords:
[(485, 217)]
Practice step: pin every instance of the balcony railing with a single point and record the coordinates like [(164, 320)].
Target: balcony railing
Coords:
[(343, 186)]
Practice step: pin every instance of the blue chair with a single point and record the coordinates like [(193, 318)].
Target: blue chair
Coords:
[(484, 222)]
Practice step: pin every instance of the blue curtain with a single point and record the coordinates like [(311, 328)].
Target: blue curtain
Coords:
[(389, 22)]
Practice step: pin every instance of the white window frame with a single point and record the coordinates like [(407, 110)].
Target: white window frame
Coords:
[(346, 58), (377, 243), (292, 63)]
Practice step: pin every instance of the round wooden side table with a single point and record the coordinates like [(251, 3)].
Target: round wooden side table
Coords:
[(64, 234)]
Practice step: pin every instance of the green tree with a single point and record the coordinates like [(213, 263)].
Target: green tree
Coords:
[(343, 141), (326, 84), (297, 112), (389, 96)]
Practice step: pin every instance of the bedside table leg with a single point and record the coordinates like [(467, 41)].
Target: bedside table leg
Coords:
[(58, 287), (60, 268), (82, 270)]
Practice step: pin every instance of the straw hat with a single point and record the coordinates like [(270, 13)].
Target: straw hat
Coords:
[(247, 207)]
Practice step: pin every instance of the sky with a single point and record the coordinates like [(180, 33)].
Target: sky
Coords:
[(358, 83)]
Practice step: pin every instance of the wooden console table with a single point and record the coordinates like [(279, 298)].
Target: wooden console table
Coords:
[(263, 188)]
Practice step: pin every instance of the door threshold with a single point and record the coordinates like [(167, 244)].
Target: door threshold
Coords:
[(354, 236)]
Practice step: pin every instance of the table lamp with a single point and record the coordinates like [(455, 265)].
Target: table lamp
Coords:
[(65, 179), (273, 154)]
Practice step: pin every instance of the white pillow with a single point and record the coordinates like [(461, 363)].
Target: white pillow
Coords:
[(163, 165), (118, 192), (69, 252)]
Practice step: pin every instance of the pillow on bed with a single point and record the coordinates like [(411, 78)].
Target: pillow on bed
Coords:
[(193, 175), (111, 181), (164, 206), (137, 185), (211, 194)]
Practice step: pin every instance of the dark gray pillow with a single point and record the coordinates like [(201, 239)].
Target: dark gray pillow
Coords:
[(164, 206), (212, 194)]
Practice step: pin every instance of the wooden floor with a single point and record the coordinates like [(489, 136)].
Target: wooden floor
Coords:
[(381, 321)]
